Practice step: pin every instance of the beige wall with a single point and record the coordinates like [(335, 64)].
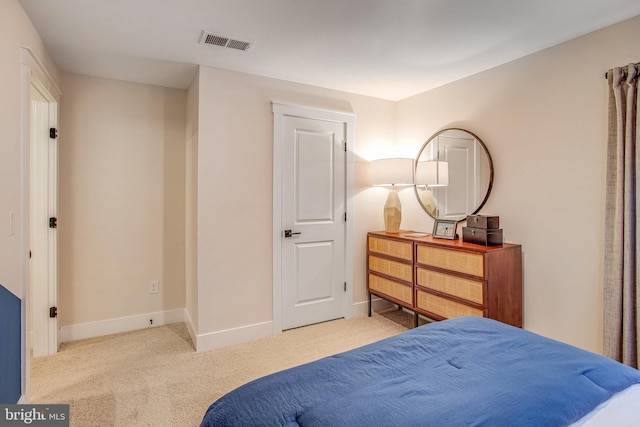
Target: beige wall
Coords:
[(543, 118), (235, 161), (15, 31), (121, 199)]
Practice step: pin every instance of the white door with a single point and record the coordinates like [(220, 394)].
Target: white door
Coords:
[(462, 194), (313, 221), (43, 206)]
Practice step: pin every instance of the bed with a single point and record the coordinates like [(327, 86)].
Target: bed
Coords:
[(458, 372)]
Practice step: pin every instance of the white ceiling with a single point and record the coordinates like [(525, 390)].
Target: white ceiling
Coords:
[(389, 49)]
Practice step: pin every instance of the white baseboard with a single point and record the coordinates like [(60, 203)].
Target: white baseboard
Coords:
[(242, 334), (233, 336), (201, 342), (121, 324)]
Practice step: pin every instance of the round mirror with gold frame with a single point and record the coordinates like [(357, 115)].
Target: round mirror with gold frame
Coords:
[(453, 174)]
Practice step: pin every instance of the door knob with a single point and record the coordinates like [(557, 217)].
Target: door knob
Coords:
[(289, 233)]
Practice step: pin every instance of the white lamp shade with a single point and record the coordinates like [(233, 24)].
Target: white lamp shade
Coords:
[(392, 172), (432, 174)]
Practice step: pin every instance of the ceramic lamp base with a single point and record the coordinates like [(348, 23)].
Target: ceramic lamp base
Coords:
[(392, 213)]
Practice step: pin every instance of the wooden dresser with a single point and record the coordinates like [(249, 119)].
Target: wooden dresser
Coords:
[(441, 278)]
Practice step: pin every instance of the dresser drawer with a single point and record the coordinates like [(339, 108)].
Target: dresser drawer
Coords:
[(393, 289), (395, 269), (459, 261), (394, 248), (470, 290), (444, 307)]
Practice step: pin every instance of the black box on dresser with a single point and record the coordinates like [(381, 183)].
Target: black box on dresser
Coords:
[(482, 236), (483, 221), (482, 230)]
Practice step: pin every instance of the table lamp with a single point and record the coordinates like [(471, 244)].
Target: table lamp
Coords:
[(392, 173)]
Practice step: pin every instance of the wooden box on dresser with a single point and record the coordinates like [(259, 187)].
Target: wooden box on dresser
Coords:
[(442, 278)]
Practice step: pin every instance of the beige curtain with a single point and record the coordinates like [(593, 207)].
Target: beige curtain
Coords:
[(622, 239)]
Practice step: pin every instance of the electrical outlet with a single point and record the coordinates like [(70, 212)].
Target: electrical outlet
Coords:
[(153, 287)]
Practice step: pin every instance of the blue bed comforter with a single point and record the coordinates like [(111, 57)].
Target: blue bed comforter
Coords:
[(467, 371)]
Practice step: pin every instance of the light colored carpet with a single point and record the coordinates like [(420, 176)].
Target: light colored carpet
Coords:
[(153, 377)]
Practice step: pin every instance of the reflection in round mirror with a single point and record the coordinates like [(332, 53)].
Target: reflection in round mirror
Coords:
[(454, 174)]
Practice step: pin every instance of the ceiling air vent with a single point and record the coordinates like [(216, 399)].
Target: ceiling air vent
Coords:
[(224, 41)]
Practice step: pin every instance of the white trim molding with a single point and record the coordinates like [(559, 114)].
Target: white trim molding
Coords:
[(32, 70), (121, 324), (36, 66), (233, 336)]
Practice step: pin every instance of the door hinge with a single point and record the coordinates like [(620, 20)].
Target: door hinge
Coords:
[(53, 222), (53, 133), (345, 146), (345, 217), (53, 312), (345, 286)]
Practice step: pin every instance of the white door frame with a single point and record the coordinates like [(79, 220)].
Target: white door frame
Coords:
[(43, 205), (279, 111), (32, 71)]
